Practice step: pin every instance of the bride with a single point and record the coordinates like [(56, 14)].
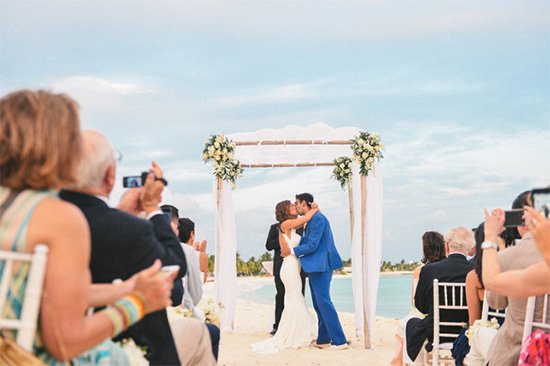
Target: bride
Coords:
[(296, 328)]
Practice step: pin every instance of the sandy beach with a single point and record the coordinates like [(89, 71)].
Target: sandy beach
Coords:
[(253, 322)]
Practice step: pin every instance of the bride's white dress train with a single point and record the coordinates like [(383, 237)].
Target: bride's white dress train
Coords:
[(296, 328)]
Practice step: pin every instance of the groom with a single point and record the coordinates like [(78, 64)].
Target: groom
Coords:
[(319, 258)]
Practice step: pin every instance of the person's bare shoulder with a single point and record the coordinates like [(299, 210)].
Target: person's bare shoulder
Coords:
[(54, 217)]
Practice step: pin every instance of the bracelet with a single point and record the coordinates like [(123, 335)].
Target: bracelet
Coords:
[(126, 311), (116, 318)]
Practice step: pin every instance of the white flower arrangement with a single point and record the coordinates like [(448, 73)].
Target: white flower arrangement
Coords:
[(493, 323), (220, 151), (211, 309), (342, 170), (367, 149), (136, 354)]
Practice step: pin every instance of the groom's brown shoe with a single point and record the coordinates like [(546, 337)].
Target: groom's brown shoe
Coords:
[(320, 345)]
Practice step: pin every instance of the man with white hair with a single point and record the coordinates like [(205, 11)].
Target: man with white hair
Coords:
[(123, 243), (459, 242)]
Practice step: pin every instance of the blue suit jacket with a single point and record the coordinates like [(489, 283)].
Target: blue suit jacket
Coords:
[(317, 251)]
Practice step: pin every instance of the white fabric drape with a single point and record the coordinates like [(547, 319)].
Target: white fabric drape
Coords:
[(225, 270), (356, 251), (372, 247)]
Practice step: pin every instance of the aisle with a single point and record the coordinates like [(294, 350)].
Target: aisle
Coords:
[(253, 322)]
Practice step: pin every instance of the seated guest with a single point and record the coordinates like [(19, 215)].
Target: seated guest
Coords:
[(532, 281), (41, 145), (203, 258), (123, 243), (433, 250), (184, 228), (505, 347), (454, 268), (193, 280), (480, 336)]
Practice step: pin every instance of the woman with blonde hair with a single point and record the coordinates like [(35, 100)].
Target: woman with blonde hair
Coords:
[(41, 148)]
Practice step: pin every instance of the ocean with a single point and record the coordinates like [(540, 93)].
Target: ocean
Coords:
[(394, 295)]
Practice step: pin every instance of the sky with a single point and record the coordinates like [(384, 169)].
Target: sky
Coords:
[(459, 92)]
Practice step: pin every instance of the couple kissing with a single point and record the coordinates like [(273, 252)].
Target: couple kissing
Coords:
[(316, 253)]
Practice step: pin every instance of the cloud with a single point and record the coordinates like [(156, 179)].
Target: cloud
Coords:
[(278, 94), (99, 93)]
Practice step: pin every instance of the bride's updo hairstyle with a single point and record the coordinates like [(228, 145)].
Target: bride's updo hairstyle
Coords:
[(281, 211)]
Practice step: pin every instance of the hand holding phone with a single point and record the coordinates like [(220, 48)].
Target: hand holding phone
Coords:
[(170, 269), (513, 218), (541, 200)]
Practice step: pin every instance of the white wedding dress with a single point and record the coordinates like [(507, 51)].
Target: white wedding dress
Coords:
[(296, 328)]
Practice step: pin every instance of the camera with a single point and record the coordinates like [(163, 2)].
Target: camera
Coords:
[(541, 200), (134, 181), (513, 218)]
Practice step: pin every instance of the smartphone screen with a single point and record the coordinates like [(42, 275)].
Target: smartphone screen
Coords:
[(132, 181), (541, 200)]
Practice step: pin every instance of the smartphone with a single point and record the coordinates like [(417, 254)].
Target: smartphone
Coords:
[(541, 200), (170, 269), (513, 218), (134, 181)]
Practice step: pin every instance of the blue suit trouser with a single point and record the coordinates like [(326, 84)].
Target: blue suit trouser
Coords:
[(329, 327)]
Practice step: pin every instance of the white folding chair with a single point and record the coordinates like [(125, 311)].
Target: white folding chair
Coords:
[(454, 299), (26, 325), (488, 314), (530, 323)]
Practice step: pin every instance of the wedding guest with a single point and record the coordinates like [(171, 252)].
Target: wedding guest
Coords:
[(203, 258), (531, 281), (505, 348), (454, 268), (41, 146), (122, 243), (192, 279), (433, 250)]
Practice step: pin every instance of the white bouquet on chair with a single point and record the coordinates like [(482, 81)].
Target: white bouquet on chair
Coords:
[(211, 311), (135, 354)]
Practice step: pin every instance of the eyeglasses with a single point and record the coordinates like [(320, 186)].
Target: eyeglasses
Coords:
[(117, 155)]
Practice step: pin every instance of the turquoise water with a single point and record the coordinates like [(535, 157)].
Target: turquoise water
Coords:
[(394, 295)]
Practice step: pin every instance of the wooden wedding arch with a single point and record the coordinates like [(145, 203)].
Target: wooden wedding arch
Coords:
[(365, 212)]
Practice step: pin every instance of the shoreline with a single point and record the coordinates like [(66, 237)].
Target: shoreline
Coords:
[(210, 279)]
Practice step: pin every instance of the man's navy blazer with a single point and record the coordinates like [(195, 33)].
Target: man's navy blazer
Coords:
[(123, 244), (452, 269)]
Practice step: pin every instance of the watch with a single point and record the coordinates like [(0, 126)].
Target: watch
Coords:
[(488, 244)]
